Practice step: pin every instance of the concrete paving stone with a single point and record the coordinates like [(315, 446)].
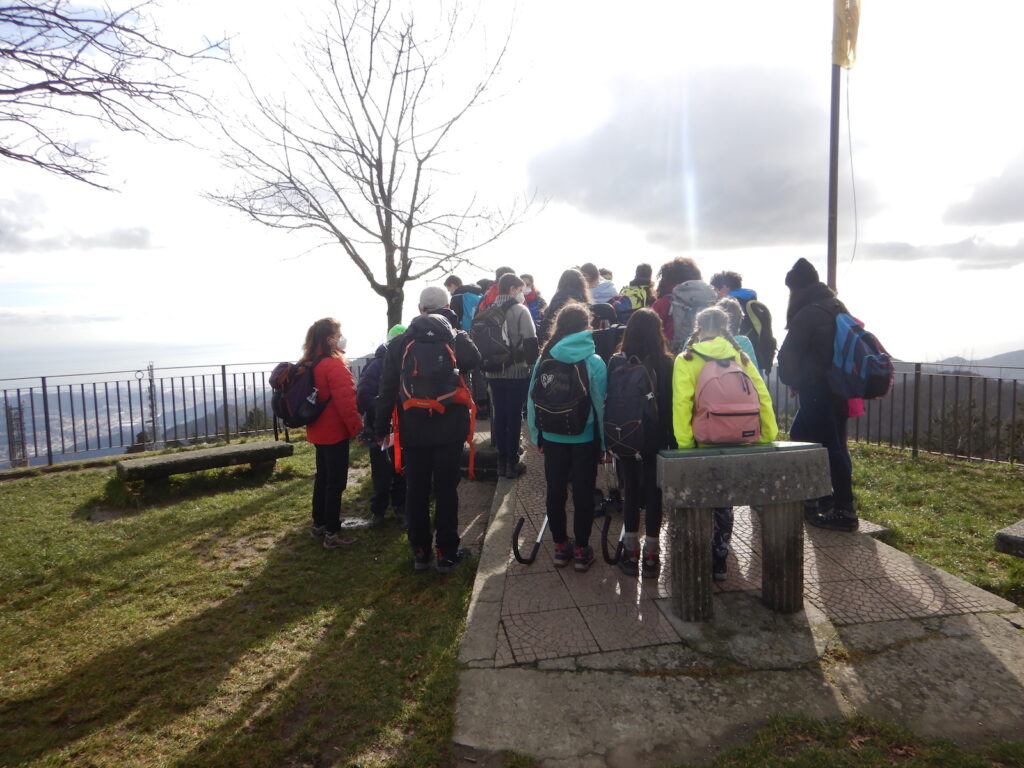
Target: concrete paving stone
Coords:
[(880, 635), (604, 584), (672, 657), (503, 657), (548, 635), (818, 567), (979, 596), (479, 641), (820, 537), (869, 559), (743, 572), (968, 688), (564, 664), (659, 721), (628, 625), (534, 592), (851, 602), (754, 636), (921, 596), (543, 562)]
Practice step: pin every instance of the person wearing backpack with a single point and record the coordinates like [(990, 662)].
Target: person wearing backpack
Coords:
[(506, 338), (681, 295), (756, 322), (423, 382), (491, 293), (804, 363), (719, 398), (638, 424), (388, 485), (732, 308), (565, 411), (464, 298), (331, 431), (640, 290), (571, 287), (534, 301)]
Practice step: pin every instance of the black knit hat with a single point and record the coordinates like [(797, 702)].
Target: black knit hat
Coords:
[(801, 275)]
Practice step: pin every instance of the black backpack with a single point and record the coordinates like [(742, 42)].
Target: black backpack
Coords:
[(561, 396), (491, 338), (757, 326), (294, 398), (631, 408)]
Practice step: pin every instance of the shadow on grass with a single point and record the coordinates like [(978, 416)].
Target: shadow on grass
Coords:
[(386, 642)]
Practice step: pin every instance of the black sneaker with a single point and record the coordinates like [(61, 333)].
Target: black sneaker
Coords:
[(629, 562), (836, 519), (650, 565), (563, 553), (445, 564), (719, 569), (502, 468), (582, 558), (316, 531), (421, 559)]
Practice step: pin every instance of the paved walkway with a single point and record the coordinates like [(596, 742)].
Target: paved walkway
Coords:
[(593, 669)]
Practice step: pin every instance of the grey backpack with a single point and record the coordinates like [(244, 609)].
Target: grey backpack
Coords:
[(687, 300)]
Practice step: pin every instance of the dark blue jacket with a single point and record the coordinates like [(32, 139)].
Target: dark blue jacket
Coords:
[(369, 386)]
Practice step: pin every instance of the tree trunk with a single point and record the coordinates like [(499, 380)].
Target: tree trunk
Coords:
[(395, 301)]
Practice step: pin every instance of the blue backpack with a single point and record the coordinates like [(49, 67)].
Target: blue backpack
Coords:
[(470, 301), (860, 365)]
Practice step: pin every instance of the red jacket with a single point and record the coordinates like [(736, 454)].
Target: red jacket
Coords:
[(489, 296), (340, 420), (662, 306)]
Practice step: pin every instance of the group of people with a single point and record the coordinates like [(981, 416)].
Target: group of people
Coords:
[(673, 341)]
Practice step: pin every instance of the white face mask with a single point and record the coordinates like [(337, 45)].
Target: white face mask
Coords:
[(521, 297), (342, 343)]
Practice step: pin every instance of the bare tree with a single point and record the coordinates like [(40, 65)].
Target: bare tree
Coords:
[(353, 152), (61, 61)]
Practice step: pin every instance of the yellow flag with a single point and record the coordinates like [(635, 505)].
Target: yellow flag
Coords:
[(844, 32)]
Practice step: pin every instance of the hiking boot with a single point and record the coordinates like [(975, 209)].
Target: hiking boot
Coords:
[(502, 468), (629, 562), (650, 565), (719, 569), (316, 531), (421, 559), (515, 469), (582, 558), (563, 553), (445, 564), (335, 540), (836, 519)]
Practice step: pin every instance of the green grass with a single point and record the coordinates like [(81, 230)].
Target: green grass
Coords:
[(202, 626), (945, 512)]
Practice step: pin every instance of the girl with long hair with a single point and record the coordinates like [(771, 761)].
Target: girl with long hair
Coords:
[(572, 286), (697, 295), (643, 341), (324, 350), (571, 458), (712, 339)]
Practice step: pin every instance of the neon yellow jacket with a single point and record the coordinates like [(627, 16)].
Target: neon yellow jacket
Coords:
[(684, 382)]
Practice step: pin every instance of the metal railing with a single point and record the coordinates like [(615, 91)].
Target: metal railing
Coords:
[(53, 419), (976, 413)]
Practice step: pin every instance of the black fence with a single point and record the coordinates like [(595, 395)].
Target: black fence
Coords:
[(970, 413), (52, 419)]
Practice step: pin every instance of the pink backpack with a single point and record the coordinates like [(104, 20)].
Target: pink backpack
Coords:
[(726, 409)]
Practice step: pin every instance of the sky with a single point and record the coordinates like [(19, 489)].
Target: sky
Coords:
[(643, 132)]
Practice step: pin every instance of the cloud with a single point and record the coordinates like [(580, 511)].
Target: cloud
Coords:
[(25, 317), (23, 229), (973, 253), (999, 200), (718, 159)]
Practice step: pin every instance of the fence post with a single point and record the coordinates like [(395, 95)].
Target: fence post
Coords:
[(46, 420), (224, 399), (917, 409)]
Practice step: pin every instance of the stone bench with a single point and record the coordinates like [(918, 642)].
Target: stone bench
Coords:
[(260, 455), (1010, 540), (775, 477)]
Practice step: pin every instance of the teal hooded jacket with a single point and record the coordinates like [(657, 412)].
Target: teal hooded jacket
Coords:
[(572, 349)]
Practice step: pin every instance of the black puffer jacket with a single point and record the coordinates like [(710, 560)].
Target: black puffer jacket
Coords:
[(369, 386), (421, 429), (806, 354), (547, 323)]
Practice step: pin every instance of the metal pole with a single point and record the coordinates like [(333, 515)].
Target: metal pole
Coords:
[(917, 409), (224, 400), (833, 178), (46, 420)]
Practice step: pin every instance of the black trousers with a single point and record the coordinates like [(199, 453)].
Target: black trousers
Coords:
[(508, 396), (574, 463), (821, 418), (640, 489), (434, 468), (388, 485), (328, 485)]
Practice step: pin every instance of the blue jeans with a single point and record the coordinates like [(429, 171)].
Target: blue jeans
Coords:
[(508, 396), (821, 418)]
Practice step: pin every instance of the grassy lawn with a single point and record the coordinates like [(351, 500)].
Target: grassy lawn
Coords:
[(200, 625), (204, 627), (945, 512)]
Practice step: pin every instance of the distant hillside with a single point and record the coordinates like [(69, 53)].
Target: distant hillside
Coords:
[(1005, 360)]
